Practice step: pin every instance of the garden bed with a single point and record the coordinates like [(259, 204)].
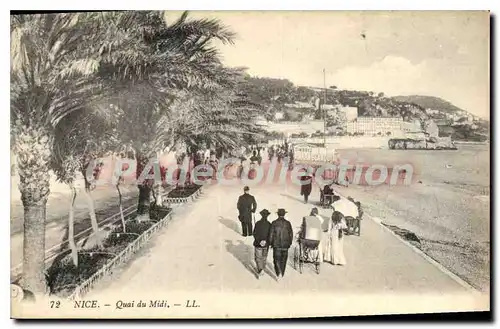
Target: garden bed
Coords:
[(183, 194), (67, 280)]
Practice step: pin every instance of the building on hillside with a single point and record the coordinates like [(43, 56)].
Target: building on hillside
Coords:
[(328, 107), (351, 113), (279, 115), (430, 111), (376, 126), (411, 127)]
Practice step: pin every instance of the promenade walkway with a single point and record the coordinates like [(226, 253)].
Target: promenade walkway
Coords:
[(202, 252)]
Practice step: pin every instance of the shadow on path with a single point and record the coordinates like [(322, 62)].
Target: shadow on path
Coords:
[(312, 201), (230, 224), (243, 253), (300, 199)]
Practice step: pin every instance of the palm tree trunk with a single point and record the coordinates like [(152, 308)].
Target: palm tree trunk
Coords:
[(71, 226), (33, 158)]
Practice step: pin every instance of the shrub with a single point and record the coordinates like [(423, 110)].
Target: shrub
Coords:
[(63, 276)]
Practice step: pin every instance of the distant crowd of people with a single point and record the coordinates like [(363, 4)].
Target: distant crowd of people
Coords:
[(280, 152)]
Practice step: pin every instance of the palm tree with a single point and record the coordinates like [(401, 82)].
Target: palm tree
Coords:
[(175, 58), (54, 59)]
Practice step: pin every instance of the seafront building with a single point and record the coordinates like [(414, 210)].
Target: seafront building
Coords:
[(376, 126)]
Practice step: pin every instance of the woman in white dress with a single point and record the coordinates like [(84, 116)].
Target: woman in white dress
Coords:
[(334, 244)]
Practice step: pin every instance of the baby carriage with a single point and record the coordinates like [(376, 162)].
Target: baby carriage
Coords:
[(308, 244)]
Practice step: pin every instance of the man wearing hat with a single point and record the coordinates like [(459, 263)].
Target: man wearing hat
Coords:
[(246, 207), (261, 243), (280, 238)]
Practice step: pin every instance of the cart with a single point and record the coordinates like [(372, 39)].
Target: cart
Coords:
[(308, 243), (351, 214), (306, 251)]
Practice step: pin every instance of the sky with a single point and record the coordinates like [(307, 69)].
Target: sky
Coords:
[(444, 54)]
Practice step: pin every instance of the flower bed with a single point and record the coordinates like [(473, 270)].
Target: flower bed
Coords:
[(183, 192), (181, 195), (64, 277)]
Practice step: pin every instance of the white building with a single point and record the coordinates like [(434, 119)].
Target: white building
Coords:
[(351, 113), (376, 125), (279, 115)]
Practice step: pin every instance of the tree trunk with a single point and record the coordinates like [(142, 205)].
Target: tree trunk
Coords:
[(144, 197), (92, 214), (33, 157), (121, 206), (71, 226), (144, 190), (158, 196)]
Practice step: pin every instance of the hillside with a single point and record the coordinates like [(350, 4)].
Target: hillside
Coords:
[(431, 102), (295, 102)]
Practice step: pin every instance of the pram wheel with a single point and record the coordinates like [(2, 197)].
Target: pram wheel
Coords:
[(295, 257), (318, 266)]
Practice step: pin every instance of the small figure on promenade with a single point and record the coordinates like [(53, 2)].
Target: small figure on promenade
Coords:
[(261, 243), (306, 187), (334, 244), (280, 239), (350, 220), (241, 166), (246, 207), (254, 157), (326, 196), (357, 222)]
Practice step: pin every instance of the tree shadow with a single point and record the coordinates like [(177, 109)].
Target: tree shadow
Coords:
[(243, 253), (230, 224)]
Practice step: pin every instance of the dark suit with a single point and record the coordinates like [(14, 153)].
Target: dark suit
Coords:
[(261, 233), (246, 206), (280, 238), (306, 189)]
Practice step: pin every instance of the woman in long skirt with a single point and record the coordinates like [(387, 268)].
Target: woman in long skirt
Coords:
[(334, 244)]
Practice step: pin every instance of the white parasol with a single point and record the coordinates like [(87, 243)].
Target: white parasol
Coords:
[(346, 208)]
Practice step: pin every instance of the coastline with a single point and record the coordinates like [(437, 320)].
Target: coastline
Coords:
[(454, 233)]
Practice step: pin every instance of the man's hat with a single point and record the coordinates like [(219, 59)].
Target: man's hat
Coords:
[(246, 188), (281, 212), (265, 212)]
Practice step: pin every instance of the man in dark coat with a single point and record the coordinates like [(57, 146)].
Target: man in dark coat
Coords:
[(261, 243), (306, 186), (246, 207), (280, 238)]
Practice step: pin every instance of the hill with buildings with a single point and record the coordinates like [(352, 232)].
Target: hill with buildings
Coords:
[(282, 101)]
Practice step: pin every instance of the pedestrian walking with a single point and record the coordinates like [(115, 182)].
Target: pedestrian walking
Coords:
[(334, 245), (261, 241), (246, 207), (280, 239), (357, 223), (306, 187)]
